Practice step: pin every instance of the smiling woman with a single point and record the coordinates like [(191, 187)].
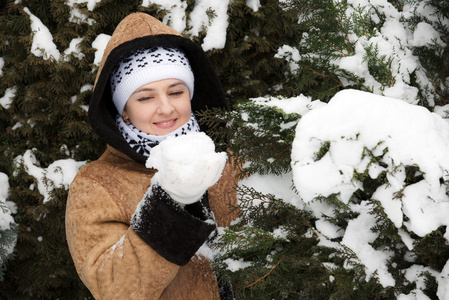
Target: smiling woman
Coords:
[(160, 107), (134, 232)]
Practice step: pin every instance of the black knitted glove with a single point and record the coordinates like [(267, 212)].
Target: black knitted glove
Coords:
[(176, 233)]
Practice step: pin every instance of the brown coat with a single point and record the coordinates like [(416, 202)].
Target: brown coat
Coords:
[(111, 260), (110, 257)]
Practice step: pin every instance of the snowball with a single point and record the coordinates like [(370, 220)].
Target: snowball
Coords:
[(183, 149), (187, 166)]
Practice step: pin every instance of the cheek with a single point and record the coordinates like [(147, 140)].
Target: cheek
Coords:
[(141, 114), (185, 108)]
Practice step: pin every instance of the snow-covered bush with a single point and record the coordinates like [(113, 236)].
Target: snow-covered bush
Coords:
[(368, 180), (8, 227), (386, 162), (49, 53), (395, 49)]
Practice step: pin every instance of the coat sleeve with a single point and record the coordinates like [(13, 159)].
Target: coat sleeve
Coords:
[(110, 258), (175, 232), (223, 195)]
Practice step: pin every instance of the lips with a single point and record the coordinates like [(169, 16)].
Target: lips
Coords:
[(165, 123)]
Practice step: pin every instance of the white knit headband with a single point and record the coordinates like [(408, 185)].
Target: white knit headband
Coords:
[(148, 65)]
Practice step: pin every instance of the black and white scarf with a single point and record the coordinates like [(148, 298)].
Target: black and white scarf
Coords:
[(142, 142)]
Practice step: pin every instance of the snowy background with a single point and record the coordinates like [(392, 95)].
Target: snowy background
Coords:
[(384, 121)]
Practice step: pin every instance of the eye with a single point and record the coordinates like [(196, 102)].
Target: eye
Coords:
[(176, 93), (145, 98)]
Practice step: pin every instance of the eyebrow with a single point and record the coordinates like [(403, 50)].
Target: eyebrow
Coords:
[(148, 89)]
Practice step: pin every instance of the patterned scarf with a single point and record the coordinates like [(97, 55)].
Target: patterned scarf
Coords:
[(142, 142)]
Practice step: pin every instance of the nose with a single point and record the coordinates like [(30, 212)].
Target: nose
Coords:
[(165, 107)]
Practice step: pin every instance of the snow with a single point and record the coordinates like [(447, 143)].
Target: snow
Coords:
[(42, 45), (358, 237), (300, 104), (349, 123), (176, 15), (352, 122), (58, 174), (394, 39), (76, 16), (253, 4), (2, 64), (6, 220), (90, 3), (100, 43), (5, 213), (74, 49), (198, 19), (291, 54), (6, 100), (187, 165), (425, 34), (216, 27), (443, 283)]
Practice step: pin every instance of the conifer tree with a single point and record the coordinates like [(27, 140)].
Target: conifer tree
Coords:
[(262, 253), (44, 127)]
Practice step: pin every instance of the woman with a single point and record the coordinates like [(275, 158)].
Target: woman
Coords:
[(150, 84)]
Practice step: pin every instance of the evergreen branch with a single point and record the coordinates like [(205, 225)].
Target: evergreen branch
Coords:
[(400, 7), (437, 90), (327, 42), (323, 75), (347, 37), (261, 278), (301, 294)]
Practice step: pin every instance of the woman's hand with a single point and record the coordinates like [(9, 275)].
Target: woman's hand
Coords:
[(187, 166)]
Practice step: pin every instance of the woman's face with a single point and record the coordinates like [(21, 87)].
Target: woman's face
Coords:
[(159, 107)]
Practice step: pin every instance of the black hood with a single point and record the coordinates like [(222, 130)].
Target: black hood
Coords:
[(208, 92)]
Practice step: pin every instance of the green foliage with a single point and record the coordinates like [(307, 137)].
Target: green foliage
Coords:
[(273, 252), (337, 32), (435, 59), (246, 65), (259, 136), (8, 237), (48, 113)]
